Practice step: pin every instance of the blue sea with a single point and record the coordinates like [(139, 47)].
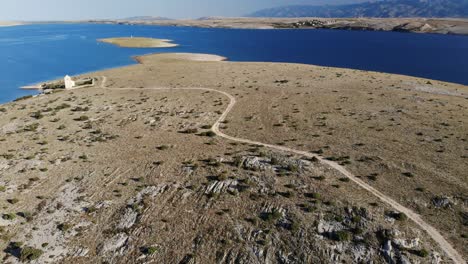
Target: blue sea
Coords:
[(35, 53)]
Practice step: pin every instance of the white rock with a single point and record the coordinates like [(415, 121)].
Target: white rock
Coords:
[(404, 260), (103, 204), (128, 219), (362, 254), (80, 252), (387, 251), (328, 227), (406, 243), (436, 258), (221, 186), (115, 243)]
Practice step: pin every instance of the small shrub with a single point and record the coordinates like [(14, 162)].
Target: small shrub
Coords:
[(9, 216), (341, 236), (23, 98), (271, 217), (294, 226), (26, 215), (401, 217), (37, 115), (287, 194), (13, 201), (62, 106), (189, 131), (356, 219), (293, 168), (422, 253), (312, 195), (80, 109), (397, 216), (373, 177), (222, 176), (31, 127), (149, 250), (408, 174), (7, 156), (81, 118), (163, 147), (207, 134), (30, 253), (64, 227), (237, 161)]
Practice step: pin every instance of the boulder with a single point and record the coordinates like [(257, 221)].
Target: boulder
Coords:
[(442, 202), (114, 243), (255, 164), (325, 227), (406, 243), (128, 219)]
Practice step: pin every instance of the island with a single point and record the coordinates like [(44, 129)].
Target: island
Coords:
[(139, 42)]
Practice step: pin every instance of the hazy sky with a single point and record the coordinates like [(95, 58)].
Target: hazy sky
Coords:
[(86, 9)]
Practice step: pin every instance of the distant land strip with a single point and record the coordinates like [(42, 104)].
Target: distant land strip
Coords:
[(453, 26)]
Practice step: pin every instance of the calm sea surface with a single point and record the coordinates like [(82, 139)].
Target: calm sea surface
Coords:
[(35, 53)]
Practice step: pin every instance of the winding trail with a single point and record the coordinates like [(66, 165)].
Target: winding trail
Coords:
[(431, 231)]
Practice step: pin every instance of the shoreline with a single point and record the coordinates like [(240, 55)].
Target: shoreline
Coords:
[(443, 26), (138, 59), (204, 57), (5, 24), (139, 42), (447, 26), (362, 113)]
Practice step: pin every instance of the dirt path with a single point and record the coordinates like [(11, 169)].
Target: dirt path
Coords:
[(431, 231)]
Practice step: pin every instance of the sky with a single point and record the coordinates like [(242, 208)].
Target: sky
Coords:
[(30, 10)]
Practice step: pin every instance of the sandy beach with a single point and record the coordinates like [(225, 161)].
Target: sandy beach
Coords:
[(138, 42), (9, 24)]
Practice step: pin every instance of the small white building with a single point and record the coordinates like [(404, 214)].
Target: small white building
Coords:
[(69, 83)]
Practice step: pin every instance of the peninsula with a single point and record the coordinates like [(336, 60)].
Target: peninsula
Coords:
[(190, 159)]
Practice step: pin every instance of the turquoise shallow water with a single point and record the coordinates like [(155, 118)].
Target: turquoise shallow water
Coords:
[(35, 53)]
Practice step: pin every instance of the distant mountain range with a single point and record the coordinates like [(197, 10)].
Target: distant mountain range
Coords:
[(383, 9)]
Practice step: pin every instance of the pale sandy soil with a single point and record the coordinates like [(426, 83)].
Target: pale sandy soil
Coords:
[(9, 24), (148, 178), (187, 57), (138, 42)]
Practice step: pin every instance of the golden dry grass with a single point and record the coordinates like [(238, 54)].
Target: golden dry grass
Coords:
[(98, 148)]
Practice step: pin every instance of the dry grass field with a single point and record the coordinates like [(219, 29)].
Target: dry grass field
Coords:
[(117, 175)]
